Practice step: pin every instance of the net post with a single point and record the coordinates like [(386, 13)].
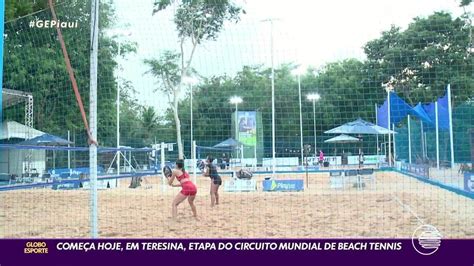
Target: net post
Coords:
[(93, 116), (193, 161), (163, 177)]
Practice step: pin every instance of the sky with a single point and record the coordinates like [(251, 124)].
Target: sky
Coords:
[(305, 32)]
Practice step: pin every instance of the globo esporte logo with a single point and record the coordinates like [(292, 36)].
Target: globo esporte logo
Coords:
[(36, 247), (426, 239)]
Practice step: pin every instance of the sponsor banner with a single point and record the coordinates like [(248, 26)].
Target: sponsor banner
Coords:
[(247, 122), (469, 182), (239, 185), (102, 184), (240, 251), (417, 169), (283, 185), (73, 171), (68, 185)]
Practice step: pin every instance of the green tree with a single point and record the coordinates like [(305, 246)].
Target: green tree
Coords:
[(420, 61), (149, 121), (196, 21), (33, 62)]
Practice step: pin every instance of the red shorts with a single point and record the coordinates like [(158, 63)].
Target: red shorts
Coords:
[(188, 188)]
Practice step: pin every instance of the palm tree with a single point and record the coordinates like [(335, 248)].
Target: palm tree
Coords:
[(149, 122)]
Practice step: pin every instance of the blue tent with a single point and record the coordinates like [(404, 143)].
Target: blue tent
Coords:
[(399, 109), (443, 113), (420, 112), (229, 143), (46, 140)]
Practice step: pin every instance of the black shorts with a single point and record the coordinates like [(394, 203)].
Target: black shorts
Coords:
[(217, 182)]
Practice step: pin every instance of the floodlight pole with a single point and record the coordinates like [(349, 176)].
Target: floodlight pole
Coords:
[(314, 124), (301, 119), (273, 104), (237, 130), (118, 116), (273, 95), (236, 121)]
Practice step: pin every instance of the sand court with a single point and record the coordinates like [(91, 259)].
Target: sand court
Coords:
[(393, 209)]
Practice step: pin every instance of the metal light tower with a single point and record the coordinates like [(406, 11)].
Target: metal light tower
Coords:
[(236, 100)]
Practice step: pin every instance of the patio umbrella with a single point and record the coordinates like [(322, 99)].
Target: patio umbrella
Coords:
[(359, 126), (342, 139)]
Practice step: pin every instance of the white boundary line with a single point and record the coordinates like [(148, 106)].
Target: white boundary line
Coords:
[(408, 208)]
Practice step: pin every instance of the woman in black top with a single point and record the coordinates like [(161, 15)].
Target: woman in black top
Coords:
[(216, 181)]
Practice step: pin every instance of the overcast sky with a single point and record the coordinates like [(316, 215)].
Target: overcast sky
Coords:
[(308, 32)]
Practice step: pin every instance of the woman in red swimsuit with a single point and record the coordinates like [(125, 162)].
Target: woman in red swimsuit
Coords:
[(188, 188)]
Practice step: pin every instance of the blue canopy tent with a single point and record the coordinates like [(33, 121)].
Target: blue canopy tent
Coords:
[(426, 113), (228, 145), (47, 140)]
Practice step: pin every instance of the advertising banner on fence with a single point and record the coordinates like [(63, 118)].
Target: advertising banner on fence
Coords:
[(239, 185), (102, 184), (469, 182), (417, 169), (247, 122), (283, 185)]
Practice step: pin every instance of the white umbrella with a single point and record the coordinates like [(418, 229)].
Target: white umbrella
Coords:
[(359, 126), (342, 139)]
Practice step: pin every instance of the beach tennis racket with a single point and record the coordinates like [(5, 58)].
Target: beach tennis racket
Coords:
[(167, 171)]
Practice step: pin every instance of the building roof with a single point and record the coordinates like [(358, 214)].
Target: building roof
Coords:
[(13, 129)]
